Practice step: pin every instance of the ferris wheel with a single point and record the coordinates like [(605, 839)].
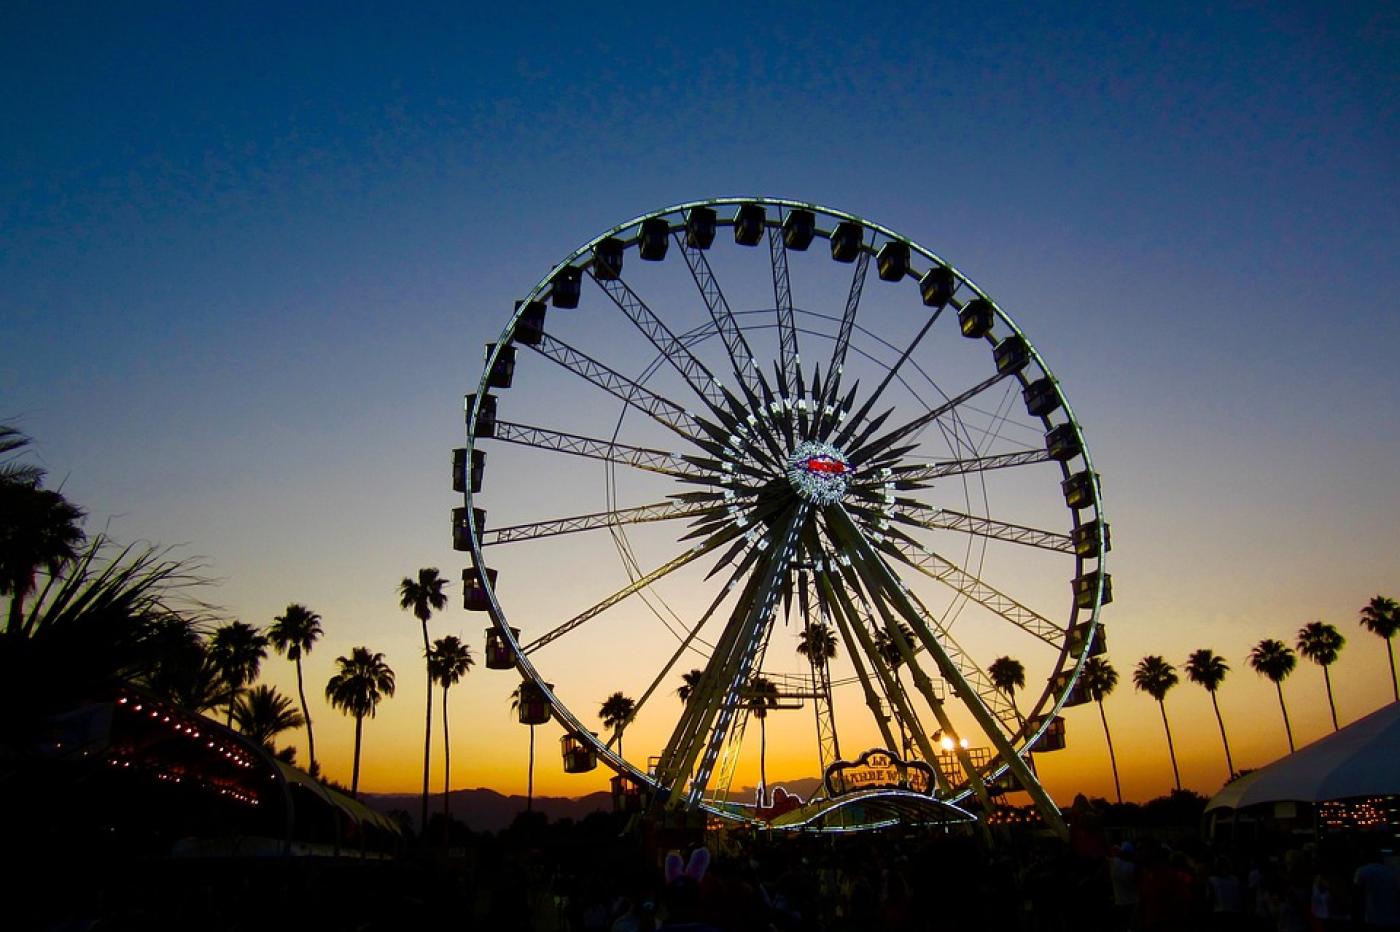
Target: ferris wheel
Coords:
[(742, 457)]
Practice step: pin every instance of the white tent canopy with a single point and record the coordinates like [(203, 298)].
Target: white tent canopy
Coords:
[(1363, 759)]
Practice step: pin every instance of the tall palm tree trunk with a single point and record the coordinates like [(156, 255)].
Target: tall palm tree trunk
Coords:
[(446, 771), (427, 730), (355, 769), (1229, 763), (1327, 678), (530, 780), (1394, 683), (763, 761), (1171, 751), (1112, 758), (306, 714), (1287, 728)]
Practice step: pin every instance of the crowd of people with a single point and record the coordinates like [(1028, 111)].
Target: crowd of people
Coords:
[(591, 876)]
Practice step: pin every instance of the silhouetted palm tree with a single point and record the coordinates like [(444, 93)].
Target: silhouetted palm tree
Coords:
[(515, 700), (238, 650), (889, 648), (424, 596), (188, 676), (262, 713), (1008, 675), (1207, 669), (362, 680), (108, 619), (1320, 642), (1275, 660), (817, 643), (616, 712), (448, 662), (293, 633), (762, 696), (1156, 677), (689, 682), (1381, 617), (1099, 679), (38, 527)]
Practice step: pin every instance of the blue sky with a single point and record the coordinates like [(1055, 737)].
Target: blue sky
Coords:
[(248, 256)]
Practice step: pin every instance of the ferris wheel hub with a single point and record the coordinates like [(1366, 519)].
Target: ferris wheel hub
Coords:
[(819, 472)]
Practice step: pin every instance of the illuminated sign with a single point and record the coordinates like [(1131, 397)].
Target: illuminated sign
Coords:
[(878, 769)]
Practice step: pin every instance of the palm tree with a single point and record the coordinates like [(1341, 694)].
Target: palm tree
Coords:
[(38, 527), (690, 681), (112, 617), (1381, 617), (1207, 669), (188, 676), (818, 644), (1099, 679), (762, 696), (1320, 642), (1275, 660), (515, 700), (238, 650), (616, 712), (262, 713), (357, 687), (448, 662), (1155, 677), (888, 648), (293, 633), (1008, 675), (424, 596)]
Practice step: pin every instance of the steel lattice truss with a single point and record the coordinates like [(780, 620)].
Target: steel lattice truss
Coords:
[(834, 504)]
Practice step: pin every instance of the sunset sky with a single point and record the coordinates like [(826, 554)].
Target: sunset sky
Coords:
[(249, 257)]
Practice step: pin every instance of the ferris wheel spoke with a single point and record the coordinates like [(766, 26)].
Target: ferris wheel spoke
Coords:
[(690, 368), (661, 409), (659, 511), (593, 611), (782, 301), (870, 449), (891, 374), (943, 519), (912, 477), (740, 356), (955, 577), (667, 464), (848, 317)]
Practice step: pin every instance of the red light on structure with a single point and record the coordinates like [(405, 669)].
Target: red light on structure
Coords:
[(826, 464)]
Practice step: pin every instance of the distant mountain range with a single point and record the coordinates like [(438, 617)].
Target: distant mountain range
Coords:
[(484, 810)]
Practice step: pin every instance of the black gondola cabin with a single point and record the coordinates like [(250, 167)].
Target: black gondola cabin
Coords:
[(798, 229), (846, 241), (534, 707), (578, 754), (748, 224), (498, 653), (566, 287), (700, 227), (653, 239), (892, 261), (474, 598)]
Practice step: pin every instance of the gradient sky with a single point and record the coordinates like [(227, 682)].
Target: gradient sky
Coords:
[(248, 257)]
